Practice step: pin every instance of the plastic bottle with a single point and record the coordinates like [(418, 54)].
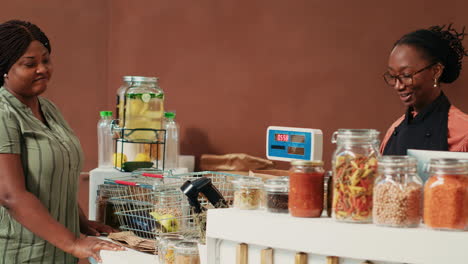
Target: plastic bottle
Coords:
[(171, 153), (105, 144)]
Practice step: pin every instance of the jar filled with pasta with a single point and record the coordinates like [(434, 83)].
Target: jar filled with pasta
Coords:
[(446, 194), (397, 192), (354, 164)]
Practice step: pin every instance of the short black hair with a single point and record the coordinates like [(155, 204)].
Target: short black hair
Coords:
[(15, 37), (441, 44)]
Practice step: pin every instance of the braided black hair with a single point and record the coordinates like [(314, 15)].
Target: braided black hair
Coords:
[(15, 37), (440, 44)]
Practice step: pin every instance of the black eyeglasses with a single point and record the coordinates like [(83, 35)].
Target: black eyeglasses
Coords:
[(406, 79)]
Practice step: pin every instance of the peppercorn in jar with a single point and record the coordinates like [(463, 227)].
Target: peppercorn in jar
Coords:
[(277, 195)]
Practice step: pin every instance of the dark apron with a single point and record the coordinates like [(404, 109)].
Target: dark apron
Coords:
[(427, 130)]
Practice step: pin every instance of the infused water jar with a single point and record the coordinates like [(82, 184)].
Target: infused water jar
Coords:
[(398, 192), (354, 164), (446, 195), (277, 195), (306, 188), (144, 109), (127, 82)]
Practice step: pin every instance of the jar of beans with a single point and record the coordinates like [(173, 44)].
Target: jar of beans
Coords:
[(277, 193), (446, 194), (397, 192)]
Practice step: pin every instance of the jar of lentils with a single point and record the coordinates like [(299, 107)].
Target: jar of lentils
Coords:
[(398, 192), (277, 193)]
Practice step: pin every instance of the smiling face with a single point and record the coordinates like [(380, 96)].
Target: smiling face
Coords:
[(29, 76), (405, 60)]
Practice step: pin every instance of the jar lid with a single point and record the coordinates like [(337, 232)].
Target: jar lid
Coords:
[(307, 163), (171, 241), (355, 134), (277, 185), (170, 235), (144, 79), (440, 165), (394, 162), (127, 78), (186, 245), (248, 181), (105, 113)]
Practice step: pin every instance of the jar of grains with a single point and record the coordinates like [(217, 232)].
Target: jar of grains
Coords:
[(397, 192), (166, 249), (277, 193), (446, 194), (186, 253), (354, 166), (306, 188), (248, 193)]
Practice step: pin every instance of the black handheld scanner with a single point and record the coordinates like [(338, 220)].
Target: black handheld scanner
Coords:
[(204, 186)]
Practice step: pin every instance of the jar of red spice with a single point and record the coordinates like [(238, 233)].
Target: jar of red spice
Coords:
[(354, 166), (397, 192), (306, 188), (446, 194)]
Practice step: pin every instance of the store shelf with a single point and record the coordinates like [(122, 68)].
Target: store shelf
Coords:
[(324, 236)]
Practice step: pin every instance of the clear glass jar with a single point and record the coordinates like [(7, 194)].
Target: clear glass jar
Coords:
[(248, 192), (277, 195), (186, 253), (166, 249), (397, 192), (446, 194), (144, 109), (354, 166), (306, 188), (120, 104), (158, 244)]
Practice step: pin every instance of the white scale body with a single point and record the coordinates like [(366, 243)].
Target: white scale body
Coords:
[(291, 143)]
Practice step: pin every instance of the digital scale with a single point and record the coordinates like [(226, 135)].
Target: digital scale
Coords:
[(291, 143)]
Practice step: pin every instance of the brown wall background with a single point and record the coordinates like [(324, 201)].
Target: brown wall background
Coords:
[(232, 68)]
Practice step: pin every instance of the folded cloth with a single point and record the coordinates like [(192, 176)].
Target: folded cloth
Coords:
[(233, 162)]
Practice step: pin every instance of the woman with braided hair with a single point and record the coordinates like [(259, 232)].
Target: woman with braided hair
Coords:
[(418, 64), (41, 159)]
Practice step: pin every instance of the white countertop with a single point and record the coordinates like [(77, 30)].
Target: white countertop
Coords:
[(325, 236)]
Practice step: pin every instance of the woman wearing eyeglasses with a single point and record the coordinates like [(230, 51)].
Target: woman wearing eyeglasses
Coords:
[(419, 64)]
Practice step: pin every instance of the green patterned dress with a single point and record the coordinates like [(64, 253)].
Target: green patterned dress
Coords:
[(52, 159)]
